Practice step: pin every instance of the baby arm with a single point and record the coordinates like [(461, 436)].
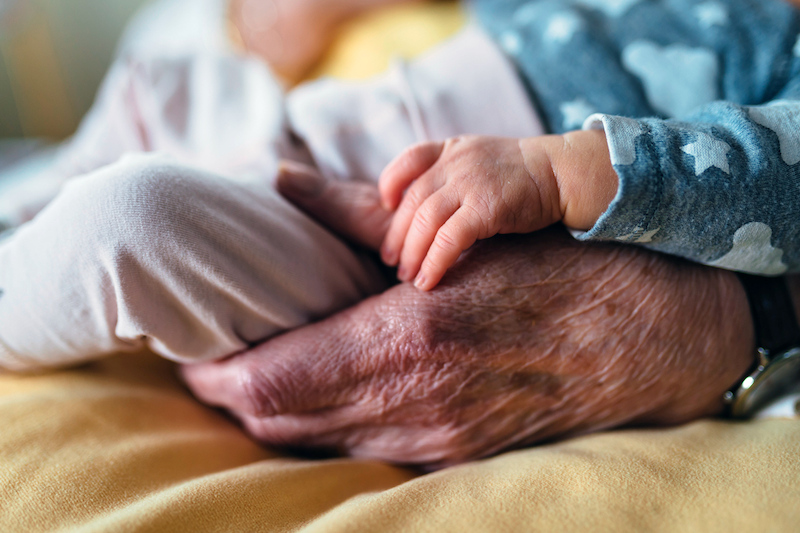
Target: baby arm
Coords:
[(471, 188)]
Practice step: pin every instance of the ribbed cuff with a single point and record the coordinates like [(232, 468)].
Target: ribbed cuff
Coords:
[(629, 214)]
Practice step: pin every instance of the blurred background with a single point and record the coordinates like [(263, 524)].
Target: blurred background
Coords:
[(53, 55)]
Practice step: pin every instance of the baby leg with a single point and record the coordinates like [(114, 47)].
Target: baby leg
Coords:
[(148, 252), (217, 111)]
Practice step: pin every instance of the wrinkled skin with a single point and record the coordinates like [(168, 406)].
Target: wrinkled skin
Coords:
[(527, 339)]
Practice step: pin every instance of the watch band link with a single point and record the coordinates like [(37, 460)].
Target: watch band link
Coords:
[(771, 306)]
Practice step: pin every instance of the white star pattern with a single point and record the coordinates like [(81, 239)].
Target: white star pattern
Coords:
[(782, 117), (647, 236), (511, 42), (711, 14), (753, 252), (677, 79), (629, 236), (708, 152), (562, 28), (575, 113), (612, 8), (797, 47), (526, 14)]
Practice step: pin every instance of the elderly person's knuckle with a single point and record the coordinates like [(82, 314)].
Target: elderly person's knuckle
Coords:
[(432, 329), (447, 323), (261, 391)]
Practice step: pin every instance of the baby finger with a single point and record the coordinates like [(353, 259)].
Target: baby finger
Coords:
[(456, 235), (428, 219), (413, 199), (408, 166)]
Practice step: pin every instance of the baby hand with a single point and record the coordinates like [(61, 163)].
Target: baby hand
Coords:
[(461, 190)]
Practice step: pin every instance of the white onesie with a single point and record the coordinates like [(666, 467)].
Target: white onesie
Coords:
[(161, 225)]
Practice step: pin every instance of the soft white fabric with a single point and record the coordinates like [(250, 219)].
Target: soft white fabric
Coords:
[(146, 249), (192, 252), (177, 27), (466, 86), (218, 111)]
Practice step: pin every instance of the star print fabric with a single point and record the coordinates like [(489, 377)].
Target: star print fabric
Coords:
[(700, 102)]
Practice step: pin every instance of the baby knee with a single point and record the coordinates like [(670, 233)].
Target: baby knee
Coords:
[(135, 203)]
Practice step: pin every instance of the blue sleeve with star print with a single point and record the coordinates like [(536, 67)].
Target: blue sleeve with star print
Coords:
[(700, 102)]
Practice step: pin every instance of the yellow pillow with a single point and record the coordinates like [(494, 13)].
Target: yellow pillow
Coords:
[(367, 45), (120, 445)]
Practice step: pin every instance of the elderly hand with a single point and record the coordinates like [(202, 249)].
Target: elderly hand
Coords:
[(528, 338)]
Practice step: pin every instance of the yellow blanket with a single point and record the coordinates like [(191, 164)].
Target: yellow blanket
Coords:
[(120, 445)]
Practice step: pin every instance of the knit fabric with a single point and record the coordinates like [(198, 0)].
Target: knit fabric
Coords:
[(700, 102)]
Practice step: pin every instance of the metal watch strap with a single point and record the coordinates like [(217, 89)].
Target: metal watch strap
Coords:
[(773, 312)]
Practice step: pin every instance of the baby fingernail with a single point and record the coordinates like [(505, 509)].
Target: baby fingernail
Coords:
[(389, 256), (420, 282)]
